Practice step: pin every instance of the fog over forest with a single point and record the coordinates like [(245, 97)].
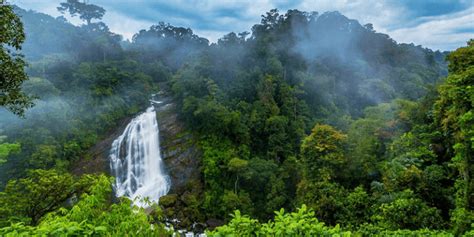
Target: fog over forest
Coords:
[(309, 123)]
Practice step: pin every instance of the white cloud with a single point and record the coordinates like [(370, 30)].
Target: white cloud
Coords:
[(48, 7), (440, 32), (124, 25), (379, 13), (206, 18)]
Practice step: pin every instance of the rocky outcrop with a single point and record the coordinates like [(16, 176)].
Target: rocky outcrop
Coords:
[(96, 160), (181, 155), (178, 147)]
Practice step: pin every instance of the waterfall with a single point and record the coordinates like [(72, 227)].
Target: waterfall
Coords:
[(136, 162)]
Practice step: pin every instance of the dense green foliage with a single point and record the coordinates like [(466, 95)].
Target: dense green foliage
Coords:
[(303, 222), (92, 215), (454, 114), (311, 111), (83, 93), (12, 64), (254, 112)]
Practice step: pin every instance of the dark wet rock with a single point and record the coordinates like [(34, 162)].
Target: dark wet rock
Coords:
[(189, 199), (179, 150), (199, 227), (181, 157), (178, 147), (96, 160), (168, 200), (213, 223)]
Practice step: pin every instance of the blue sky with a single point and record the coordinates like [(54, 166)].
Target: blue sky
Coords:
[(436, 24)]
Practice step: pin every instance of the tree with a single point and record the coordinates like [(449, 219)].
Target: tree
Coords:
[(357, 207), (7, 148), (302, 222), (12, 65), (407, 212), (277, 137), (325, 197), (237, 166), (86, 12), (94, 215), (454, 113), (28, 199), (323, 152)]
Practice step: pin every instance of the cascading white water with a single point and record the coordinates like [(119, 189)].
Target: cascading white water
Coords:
[(136, 162)]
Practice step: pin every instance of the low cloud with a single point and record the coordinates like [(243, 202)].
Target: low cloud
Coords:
[(440, 24)]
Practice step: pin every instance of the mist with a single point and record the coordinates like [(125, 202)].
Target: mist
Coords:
[(302, 107)]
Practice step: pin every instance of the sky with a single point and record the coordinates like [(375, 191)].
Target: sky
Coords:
[(436, 24)]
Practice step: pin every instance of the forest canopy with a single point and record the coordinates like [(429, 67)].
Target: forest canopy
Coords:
[(310, 124)]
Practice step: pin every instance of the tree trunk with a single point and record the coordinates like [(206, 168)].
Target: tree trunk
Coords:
[(235, 185)]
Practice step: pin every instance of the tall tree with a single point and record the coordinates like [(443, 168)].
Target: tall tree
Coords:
[(12, 73), (86, 12), (454, 113), (323, 152)]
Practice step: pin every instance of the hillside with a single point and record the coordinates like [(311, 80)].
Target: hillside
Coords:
[(316, 114)]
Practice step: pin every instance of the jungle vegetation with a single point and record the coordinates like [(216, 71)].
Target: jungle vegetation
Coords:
[(310, 124)]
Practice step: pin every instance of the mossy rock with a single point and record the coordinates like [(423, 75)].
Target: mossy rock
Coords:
[(168, 200), (169, 212), (189, 199)]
